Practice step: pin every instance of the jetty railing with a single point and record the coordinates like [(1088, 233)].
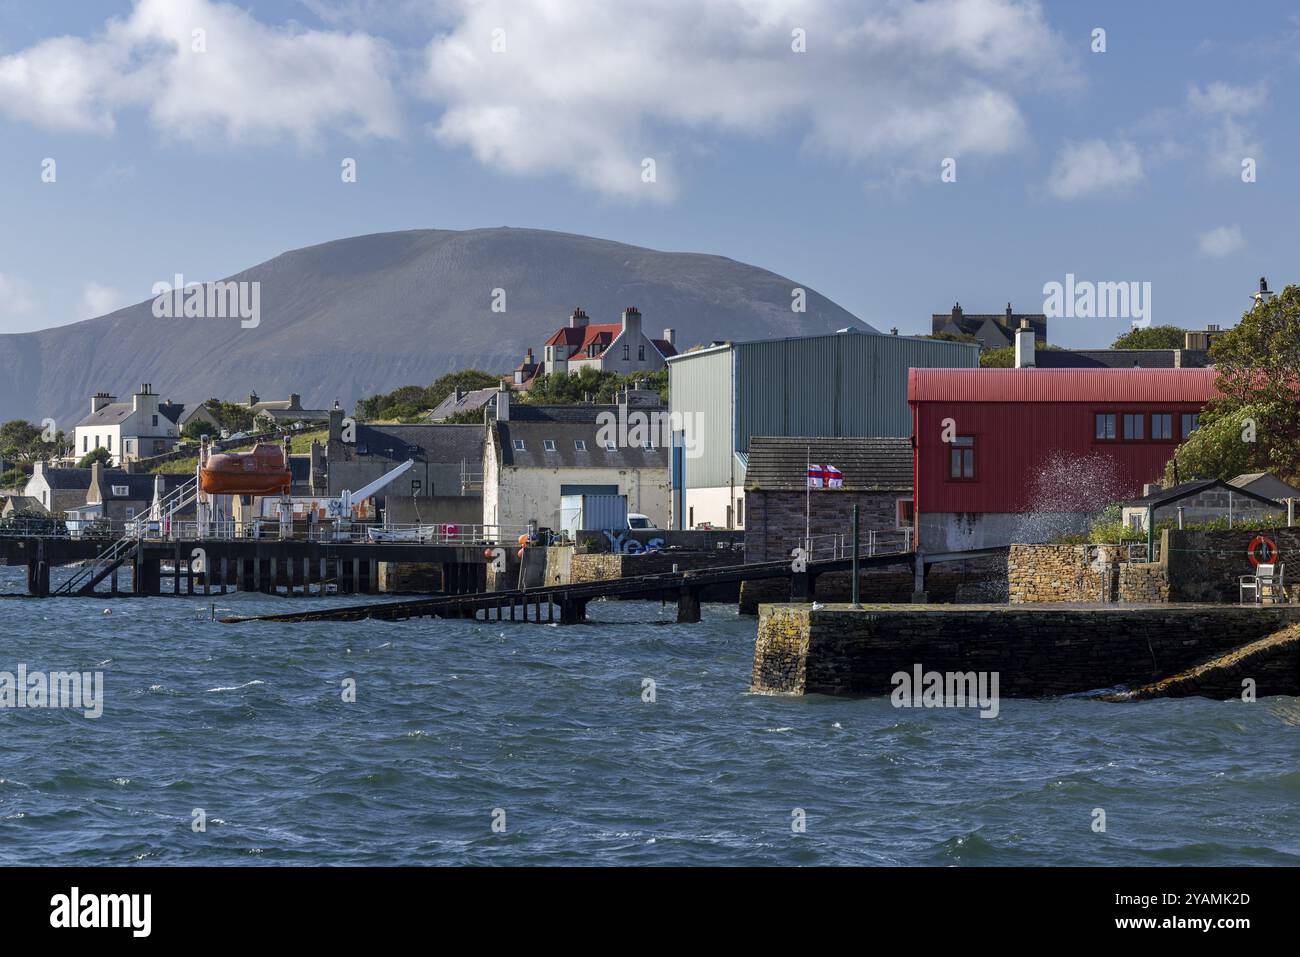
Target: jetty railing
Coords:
[(840, 545)]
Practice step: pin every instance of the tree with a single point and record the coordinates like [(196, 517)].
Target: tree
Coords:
[(21, 441), (1253, 426), (1151, 337), (410, 403), (231, 417), (101, 455)]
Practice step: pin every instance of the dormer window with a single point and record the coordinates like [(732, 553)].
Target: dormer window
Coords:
[(580, 445), (548, 445), (610, 447), (121, 490), (519, 445)]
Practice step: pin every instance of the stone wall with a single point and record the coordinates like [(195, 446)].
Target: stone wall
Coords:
[(1036, 651), (1052, 573), (1205, 565), (1143, 582)]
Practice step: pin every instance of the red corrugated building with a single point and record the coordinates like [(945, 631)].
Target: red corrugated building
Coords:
[(1019, 455)]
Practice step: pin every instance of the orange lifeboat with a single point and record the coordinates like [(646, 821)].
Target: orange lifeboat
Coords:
[(262, 471)]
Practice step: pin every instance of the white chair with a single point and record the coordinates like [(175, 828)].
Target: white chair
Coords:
[(1268, 584)]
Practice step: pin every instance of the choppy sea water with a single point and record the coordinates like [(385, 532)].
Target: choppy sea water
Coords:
[(456, 719)]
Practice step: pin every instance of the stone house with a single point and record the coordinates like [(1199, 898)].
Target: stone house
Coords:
[(877, 477), (534, 455)]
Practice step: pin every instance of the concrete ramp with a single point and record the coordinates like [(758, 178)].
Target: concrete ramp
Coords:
[(1272, 662)]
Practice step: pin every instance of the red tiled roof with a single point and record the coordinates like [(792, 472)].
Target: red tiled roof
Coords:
[(580, 338), (1061, 385)]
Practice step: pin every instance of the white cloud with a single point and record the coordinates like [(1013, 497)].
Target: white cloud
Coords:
[(1230, 138), (1222, 241), (1094, 166), (252, 81), (16, 299), (97, 300), (1226, 99), (587, 88)]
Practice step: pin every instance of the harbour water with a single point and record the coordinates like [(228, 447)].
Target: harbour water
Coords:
[(547, 731)]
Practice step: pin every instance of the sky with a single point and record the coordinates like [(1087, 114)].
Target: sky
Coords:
[(895, 156)]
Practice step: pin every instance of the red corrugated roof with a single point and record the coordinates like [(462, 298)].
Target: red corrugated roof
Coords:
[(1061, 385)]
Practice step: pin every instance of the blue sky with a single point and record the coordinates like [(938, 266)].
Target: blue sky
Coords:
[(1123, 165)]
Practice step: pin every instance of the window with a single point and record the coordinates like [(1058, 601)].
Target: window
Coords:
[(640, 353), (905, 512), (1162, 425), (610, 447), (155, 421), (580, 445), (85, 441), (627, 352), (97, 441), (109, 440), (961, 462), (548, 445), (519, 445), (1191, 422), (130, 512), (130, 446), (1105, 430), (1133, 427), (121, 491), (740, 508)]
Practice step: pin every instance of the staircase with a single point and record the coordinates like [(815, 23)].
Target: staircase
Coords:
[(124, 549), (99, 568)]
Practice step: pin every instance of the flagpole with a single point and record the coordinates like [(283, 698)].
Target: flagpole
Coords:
[(807, 499)]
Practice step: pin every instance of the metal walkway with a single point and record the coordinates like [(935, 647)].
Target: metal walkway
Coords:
[(541, 603)]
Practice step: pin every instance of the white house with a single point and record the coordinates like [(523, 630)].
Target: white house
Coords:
[(536, 454), (129, 430), (620, 347)]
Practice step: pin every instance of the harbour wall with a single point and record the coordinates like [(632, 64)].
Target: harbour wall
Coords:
[(1036, 650)]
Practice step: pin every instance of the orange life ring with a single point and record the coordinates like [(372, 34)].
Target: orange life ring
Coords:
[(1262, 550)]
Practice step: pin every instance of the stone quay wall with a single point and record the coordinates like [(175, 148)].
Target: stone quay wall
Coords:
[(1036, 651)]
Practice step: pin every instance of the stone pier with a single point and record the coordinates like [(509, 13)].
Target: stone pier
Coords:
[(1037, 650)]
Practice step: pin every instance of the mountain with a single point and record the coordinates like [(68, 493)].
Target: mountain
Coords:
[(364, 315)]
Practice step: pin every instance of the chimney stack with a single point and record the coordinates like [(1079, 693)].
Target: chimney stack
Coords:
[(578, 319), (99, 400), (1025, 346), (670, 337), (295, 400), (336, 422), (632, 326), (503, 403)]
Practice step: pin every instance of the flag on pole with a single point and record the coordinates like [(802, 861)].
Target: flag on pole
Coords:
[(825, 476)]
